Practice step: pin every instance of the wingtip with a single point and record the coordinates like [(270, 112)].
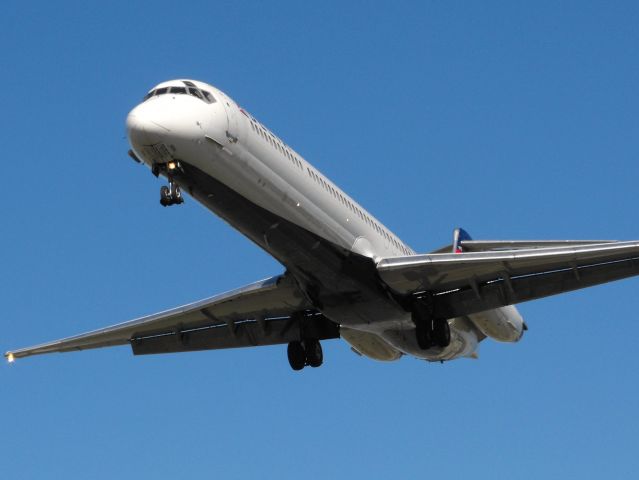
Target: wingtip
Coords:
[(10, 357)]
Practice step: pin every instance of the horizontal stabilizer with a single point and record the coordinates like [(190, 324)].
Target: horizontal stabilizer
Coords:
[(468, 245)]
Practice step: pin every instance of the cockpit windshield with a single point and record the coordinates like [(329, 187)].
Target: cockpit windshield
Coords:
[(190, 89)]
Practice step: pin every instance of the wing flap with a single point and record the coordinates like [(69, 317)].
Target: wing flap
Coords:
[(248, 333)]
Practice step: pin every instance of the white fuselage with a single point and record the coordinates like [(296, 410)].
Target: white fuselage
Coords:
[(228, 144)]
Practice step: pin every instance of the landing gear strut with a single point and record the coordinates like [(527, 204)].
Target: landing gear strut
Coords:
[(429, 331), (308, 352), (171, 195)]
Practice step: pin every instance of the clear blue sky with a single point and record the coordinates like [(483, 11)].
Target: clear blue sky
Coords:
[(515, 120)]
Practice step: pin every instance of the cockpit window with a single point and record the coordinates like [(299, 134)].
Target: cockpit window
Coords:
[(208, 96), (191, 90), (195, 92)]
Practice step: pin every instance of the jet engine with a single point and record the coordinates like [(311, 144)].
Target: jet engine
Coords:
[(503, 324)]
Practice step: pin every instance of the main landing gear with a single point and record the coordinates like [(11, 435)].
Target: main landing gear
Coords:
[(308, 352), (429, 331), (171, 195)]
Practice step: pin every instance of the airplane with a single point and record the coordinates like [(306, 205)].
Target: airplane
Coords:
[(345, 274)]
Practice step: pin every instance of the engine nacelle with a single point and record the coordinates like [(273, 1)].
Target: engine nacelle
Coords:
[(370, 345), (504, 324)]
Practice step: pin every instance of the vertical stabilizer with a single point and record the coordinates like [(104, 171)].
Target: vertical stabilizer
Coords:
[(459, 235)]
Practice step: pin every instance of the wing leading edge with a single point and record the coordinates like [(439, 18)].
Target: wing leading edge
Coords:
[(268, 312), (467, 283)]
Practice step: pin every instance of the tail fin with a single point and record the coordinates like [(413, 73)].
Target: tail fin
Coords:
[(459, 235)]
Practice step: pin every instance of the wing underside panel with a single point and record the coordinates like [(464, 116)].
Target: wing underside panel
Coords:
[(466, 283), (247, 333), (501, 292), (267, 312)]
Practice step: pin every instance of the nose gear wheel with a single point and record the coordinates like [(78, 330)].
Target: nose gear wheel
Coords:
[(171, 194)]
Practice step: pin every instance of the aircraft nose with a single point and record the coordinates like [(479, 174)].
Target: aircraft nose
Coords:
[(143, 127)]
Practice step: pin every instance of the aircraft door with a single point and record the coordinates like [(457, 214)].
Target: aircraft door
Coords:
[(232, 134)]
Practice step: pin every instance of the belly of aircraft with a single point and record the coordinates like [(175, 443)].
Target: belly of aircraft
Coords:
[(342, 284)]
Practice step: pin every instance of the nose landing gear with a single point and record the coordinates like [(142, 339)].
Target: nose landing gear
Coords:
[(171, 195)]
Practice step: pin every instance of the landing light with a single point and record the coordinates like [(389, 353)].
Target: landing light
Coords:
[(11, 358), (172, 165)]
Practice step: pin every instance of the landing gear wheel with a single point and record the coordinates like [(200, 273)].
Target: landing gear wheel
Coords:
[(178, 196), (296, 355), (429, 330), (314, 355), (176, 193), (171, 195), (423, 335), (441, 333), (422, 318), (165, 196)]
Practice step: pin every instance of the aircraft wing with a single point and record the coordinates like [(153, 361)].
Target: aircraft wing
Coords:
[(466, 283), (268, 312)]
